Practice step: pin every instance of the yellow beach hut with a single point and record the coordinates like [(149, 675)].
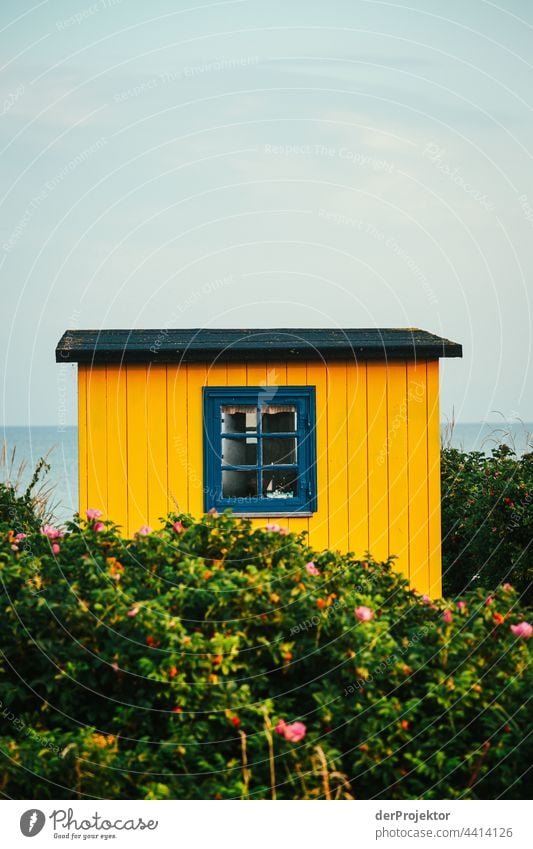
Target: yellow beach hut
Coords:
[(335, 432)]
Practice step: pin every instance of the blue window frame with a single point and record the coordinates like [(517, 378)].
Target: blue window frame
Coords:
[(260, 449)]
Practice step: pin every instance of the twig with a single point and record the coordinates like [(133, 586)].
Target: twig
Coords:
[(245, 771), (473, 777), (270, 741), (324, 772)]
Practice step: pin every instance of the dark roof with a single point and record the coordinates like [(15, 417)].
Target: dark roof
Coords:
[(196, 346)]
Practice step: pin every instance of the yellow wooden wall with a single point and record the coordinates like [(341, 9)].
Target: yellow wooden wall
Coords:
[(378, 451)]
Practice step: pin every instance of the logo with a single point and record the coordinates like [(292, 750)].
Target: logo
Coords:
[(32, 822)]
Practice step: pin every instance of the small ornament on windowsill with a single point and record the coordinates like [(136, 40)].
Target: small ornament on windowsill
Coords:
[(279, 493)]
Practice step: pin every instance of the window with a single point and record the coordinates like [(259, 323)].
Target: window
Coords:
[(259, 449)]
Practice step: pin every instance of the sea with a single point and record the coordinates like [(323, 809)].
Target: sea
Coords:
[(22, 447)]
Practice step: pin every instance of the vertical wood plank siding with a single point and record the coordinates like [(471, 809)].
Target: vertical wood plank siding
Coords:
[(156, 407), (377, 458), (96, 388), (82, 438), (196, 380), (177, 439), (117, 446), (398, 467), (434, 497), (378, 451), (357, 459), (336, 453), (417, 448), (137, 446)]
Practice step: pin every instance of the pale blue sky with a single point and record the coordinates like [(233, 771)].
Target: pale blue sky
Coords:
[(267, 164)]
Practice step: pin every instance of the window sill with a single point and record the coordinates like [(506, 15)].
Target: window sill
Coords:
[(274, 515)]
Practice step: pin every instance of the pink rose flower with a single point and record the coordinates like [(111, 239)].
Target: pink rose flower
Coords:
[(98, 526), (93, 513), (115, 667), (178, 527), (295, 732), (283, 531), (505, 587), (134, 611), (461, 605), (51, 532), (364, 614), (523, 629), (273, 527), (18, 537), (425, 599), (144, 531), (488, 600), (311, 569), (55, 548), (213, 512), (447, 616)]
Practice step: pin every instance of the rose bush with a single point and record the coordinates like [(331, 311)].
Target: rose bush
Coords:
[(487, 520), (209, 660)]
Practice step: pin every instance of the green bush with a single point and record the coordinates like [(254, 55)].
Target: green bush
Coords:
[(487, 520), (24, 508), (210, 660)]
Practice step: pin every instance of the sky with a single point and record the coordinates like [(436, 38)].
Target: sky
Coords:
[(265, 163)]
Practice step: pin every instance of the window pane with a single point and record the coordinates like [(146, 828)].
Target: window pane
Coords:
[(280, 484), (239, 452), (238, 419), (278, 450), (239, 484), (277, 418)]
